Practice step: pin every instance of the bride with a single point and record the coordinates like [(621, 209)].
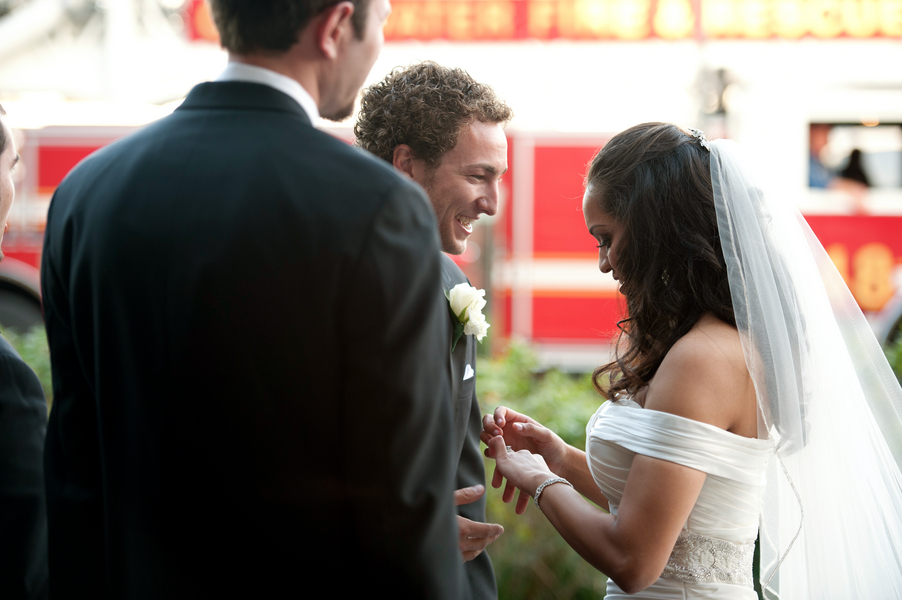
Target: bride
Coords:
[(746, 390)]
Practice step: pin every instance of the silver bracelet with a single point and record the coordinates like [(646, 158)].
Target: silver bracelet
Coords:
[(545, 484)]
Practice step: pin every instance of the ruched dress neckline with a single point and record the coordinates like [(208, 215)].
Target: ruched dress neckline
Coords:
[(723, 522)]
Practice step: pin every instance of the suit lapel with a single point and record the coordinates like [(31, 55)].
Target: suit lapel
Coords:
[(457, 360)]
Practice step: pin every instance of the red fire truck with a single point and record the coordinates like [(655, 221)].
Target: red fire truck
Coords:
[(535, 257), (546, 284), (47, 155)]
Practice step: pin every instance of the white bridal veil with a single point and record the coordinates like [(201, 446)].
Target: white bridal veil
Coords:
[(831, 523)]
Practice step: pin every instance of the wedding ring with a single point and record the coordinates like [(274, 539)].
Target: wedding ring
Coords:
[(508, 448)]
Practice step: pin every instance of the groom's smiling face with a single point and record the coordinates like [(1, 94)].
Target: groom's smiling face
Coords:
[(464, 185)]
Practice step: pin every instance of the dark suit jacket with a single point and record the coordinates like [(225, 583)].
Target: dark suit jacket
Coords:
[(467, 426), (246, 330), (23, 520)]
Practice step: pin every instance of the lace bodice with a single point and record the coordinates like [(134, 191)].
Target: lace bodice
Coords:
[(713, 555), (702, 559)]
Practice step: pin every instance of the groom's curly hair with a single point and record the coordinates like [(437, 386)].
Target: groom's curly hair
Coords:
[(655, 180), (426, 107), (272, 26)]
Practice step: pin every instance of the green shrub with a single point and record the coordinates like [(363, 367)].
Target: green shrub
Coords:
[(531, 559), (32, 347), (893, 352)]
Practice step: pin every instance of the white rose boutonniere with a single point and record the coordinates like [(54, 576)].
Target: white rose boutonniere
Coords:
[(466, 303)]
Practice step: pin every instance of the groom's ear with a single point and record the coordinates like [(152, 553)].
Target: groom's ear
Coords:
[(403, 160), (334, 28)]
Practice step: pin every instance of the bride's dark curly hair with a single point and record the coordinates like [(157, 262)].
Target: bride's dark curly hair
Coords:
[(655, 180)]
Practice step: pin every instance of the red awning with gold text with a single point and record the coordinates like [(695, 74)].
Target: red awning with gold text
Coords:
[(506, 20), (499, 20)]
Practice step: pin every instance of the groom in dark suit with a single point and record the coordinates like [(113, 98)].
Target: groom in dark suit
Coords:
[(246, 331), (444, 130)]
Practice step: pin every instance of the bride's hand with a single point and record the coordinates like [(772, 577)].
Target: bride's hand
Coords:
[(523, 470), (524, 433)]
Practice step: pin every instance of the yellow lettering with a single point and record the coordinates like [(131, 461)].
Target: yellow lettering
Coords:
[(674, 19), (592, 17), (891, 18), (494, 20), (460, 19), (580, 19), (873, 285), (540, 18), (789, 18), (839, 254), (755, 18), (566, 19), (630, 18), (859, 17), (432, 20), (719, 18), (825, 18), (403, 21)]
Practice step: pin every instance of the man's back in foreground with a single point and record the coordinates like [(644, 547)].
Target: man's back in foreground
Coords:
[(242, 314)]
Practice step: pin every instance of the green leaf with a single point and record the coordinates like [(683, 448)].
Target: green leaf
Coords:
[(456, 335), (32, 347)]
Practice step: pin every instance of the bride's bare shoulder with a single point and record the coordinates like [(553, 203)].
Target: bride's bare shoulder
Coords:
[(704, 377)]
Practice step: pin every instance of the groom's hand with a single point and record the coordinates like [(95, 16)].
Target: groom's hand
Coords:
[(474, 537)]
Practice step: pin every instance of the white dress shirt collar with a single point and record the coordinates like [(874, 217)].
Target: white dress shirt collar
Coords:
[(236, 71)]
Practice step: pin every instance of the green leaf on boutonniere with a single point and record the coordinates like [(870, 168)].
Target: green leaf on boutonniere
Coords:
[(458, 329)]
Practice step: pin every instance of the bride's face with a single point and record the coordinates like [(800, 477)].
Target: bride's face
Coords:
[(607, 231)]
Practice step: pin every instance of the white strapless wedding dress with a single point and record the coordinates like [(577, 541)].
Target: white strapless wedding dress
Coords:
[(712, 558)]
